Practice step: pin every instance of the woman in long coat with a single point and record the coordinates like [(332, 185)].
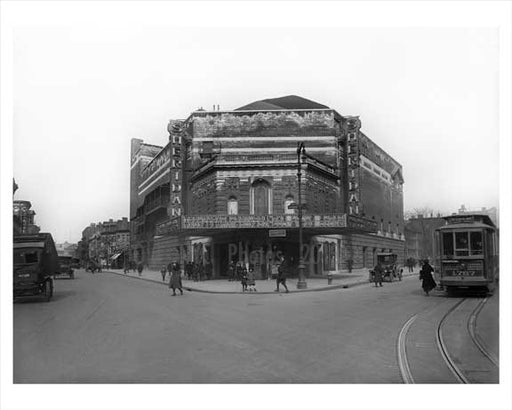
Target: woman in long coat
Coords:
[(175, 281), (428, 283)]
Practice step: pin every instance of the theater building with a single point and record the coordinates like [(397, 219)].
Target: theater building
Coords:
[(225, 187)]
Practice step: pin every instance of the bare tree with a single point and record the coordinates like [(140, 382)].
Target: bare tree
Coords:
[(424, 211)]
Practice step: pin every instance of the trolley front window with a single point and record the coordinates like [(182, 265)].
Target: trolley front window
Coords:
[(448, 244), (462, 244), (476, 243)]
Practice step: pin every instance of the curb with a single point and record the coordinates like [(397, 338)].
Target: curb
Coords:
[(192, 289)]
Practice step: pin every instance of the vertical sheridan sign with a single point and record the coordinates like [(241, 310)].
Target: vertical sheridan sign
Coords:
[(176, 130)]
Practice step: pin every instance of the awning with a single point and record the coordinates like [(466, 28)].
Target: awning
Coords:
[(115, 256)]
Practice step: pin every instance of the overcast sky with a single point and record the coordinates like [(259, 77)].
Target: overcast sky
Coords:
[(427, 96)]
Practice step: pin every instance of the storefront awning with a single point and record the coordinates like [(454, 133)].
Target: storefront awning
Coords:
[(115, 256)]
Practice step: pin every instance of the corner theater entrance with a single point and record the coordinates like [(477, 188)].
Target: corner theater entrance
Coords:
[(254, 248), (262, 241)]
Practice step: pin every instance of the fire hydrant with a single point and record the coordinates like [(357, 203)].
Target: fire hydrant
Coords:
[(329, 278)]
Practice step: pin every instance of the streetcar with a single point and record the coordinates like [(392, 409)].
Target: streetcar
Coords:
[(467, 253)]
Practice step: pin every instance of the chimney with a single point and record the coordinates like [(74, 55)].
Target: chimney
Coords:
[(213, 107), (218, 107)]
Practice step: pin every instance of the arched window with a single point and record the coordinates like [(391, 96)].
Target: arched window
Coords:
[(261, 198), (287, 202), (232, 206)]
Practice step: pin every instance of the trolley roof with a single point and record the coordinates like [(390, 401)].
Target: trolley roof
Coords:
[(467, 221), (475, 225)]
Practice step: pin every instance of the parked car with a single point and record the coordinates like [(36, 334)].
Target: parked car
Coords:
[(34, 264), (389, 263)]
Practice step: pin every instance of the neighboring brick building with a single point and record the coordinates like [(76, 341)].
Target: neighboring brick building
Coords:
[(420, 236), (222, 186), (23, 217), (106, 242)]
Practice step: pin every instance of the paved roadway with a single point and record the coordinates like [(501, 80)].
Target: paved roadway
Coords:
[(105, 328)]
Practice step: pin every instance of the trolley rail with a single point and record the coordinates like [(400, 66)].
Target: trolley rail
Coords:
[(476, 340), (403, 364), (444, 351)]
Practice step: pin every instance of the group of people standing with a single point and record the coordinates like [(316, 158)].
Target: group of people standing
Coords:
[(239, 272), (196, 271)]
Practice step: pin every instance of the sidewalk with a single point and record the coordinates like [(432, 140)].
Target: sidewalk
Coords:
[(223, 286)]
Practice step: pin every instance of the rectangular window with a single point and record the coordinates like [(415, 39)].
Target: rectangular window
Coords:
[(476, 243), (448, 244), (461, 244)]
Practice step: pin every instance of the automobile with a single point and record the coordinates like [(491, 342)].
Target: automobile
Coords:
[(389, 262), (34, 265), (65, 267)]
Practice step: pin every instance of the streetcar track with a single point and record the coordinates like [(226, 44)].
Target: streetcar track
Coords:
[(403, 364), (444, 351), (471, 325)]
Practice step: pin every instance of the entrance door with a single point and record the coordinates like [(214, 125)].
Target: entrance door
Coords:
[(260, 190)]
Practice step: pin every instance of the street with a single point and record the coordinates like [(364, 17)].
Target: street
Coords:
[(105, 328)]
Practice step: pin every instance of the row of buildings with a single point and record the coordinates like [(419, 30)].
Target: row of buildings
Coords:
[(224, 187), (23, 215), (106, 243)]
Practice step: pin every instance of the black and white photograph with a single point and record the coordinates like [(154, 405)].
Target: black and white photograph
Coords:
[(255, 205)]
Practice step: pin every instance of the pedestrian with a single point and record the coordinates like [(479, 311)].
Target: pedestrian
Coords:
[(251, 279), (281, 275), (238, 271), (200, 271), (195, 271), (208, 270), (175, 280), (163, 271), (133, 266), (378, 273), (126, 267), (243, 278), (140, 267), (428, 283), (189, 270), (231, 271)]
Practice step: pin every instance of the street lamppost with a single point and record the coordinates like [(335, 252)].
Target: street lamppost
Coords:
[(301, 151)]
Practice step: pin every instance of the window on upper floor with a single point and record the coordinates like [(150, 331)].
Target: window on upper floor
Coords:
[(232, 206)]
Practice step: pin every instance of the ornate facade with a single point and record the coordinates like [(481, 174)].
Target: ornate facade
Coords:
[(225, 188)]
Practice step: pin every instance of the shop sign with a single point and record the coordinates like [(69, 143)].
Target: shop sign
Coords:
[(362, 224), (277, 233), (167, 227)]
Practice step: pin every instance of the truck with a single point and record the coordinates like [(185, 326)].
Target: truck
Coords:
[(66, 263), (35, 262)]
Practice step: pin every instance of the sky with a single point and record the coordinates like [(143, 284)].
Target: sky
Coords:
[(427, 96)]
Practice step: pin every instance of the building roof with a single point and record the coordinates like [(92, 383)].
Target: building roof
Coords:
[(288, 102)]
